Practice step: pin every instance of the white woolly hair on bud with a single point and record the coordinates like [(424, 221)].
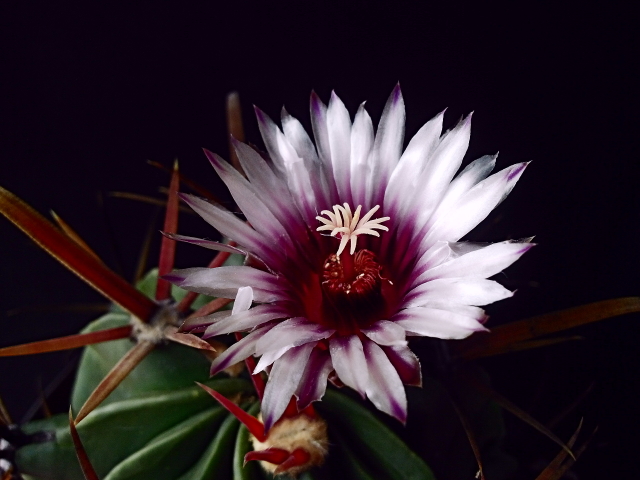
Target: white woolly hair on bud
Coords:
[(291, 433), (342, 222)]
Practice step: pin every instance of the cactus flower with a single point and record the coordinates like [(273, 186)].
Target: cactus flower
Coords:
[(352, 246)]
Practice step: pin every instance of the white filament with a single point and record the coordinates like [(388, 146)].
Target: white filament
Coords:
[(342, 222)]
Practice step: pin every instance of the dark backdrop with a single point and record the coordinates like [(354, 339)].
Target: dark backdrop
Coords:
[(89, 93)]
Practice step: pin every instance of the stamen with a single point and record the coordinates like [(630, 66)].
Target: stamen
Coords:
[(348, 226)]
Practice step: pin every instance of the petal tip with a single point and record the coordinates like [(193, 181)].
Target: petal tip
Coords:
[(316, 103), (173, 278), (526, 248), (517, 170), (396, 95), (260, 115), (214, 159), (399, 412)]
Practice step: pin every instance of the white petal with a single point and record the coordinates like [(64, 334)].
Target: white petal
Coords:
[(387, 146), (384, 389), (404, 179), (361, 145), (339, 129), (438, 253), (475, 205), (269, 357), (347, 356), (283, 382), (243, 301), (484, 262), (302, 188), (319, 126), (420, 148), (297, 136), (467, 291), (321, 135), (384, 332), (430, 322), (458, 308), (313, 170), (445, 161), (473, 173), (462, 248)]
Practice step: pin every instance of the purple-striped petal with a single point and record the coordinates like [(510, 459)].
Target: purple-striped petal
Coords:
[(238, 351), (257, 213), (313, 383), (225, 281), (269, 131), (291, 333), (232, 227), (384, 332), (347, 356), (196, 322), (274, 193), (245, 320), (283, 382), (272, 189), (384, 389), (211, 245), (406, 364)]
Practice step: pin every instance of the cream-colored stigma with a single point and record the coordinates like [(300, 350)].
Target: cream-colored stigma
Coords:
[(349, 226)]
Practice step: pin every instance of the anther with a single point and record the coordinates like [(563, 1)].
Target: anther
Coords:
[(348, 226)]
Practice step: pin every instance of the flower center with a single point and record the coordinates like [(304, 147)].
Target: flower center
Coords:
[(351, 283), (351, 290)]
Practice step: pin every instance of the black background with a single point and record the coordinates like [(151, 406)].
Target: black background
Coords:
[(90, 92)]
